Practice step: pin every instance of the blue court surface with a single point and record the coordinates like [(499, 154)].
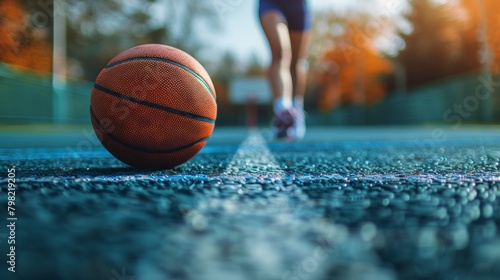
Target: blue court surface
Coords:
[(356, 203)]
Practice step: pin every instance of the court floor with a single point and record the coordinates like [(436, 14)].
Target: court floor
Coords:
[(345, 203)]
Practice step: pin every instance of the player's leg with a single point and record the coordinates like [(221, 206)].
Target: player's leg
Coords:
[(298, 68), (299, 41), (275, 27), (276, 30), (299, 22)]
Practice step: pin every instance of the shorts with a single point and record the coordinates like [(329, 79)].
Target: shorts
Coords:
[(296, 12)]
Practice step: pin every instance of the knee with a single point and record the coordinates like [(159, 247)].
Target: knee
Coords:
[(282, 57), (300, 64)]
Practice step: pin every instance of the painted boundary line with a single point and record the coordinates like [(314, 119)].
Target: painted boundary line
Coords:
[(253, 157)]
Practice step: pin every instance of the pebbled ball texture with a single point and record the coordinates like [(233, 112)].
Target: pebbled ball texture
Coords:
[(153, 107)]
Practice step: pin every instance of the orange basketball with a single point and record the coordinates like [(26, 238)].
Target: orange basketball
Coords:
[(153, 107)]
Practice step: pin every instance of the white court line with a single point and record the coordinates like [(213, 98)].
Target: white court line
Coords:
[(253, 157), (258, 248)]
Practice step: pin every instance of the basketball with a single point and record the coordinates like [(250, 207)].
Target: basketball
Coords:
[(153, 107)]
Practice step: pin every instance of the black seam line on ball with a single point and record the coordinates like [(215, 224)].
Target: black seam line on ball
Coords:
[(169, 61), (153, 105), (116, 139)]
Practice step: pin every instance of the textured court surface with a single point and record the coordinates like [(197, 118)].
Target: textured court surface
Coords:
[(359, 203)]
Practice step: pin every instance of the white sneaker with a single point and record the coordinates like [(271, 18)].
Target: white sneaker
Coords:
[(299, 125)]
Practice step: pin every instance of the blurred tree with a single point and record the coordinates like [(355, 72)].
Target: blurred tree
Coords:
[(255, 67), (351, 67), (475, 16), (21, 43), (227, 67), (226, 70), (98, 30), (441, 44)]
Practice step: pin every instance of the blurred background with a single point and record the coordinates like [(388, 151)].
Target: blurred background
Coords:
[(370, 62)]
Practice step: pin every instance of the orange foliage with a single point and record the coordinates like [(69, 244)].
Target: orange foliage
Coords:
[(19, 44), (492, 16), (354, 68)]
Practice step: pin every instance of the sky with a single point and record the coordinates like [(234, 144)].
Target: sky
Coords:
[(240, 31)]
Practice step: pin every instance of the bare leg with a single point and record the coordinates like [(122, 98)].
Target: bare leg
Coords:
[(276, 30), (299, 41)]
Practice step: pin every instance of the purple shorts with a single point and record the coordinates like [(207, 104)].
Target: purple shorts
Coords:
[(296, 12)]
